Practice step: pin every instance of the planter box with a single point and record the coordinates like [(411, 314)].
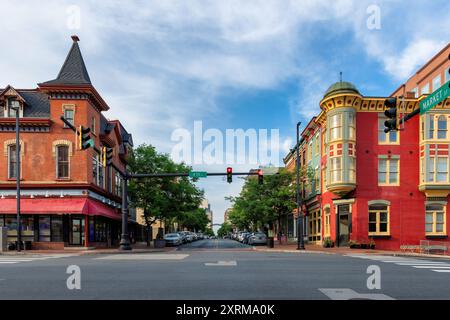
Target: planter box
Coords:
[(159, 243)]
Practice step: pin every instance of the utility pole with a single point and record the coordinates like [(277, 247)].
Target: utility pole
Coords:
[(300, 240), (125, 238), (15, 105)]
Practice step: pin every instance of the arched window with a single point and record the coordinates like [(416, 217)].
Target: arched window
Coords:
[(62, 166), (442, 127), (12, 161)]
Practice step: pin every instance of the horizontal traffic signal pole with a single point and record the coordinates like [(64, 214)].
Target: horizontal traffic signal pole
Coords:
[(174, 175)]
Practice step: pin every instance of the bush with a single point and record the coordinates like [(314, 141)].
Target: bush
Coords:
[(328, 243), (354, 244)]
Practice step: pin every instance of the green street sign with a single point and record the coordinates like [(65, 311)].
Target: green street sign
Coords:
[(198, 174), (433, 99)]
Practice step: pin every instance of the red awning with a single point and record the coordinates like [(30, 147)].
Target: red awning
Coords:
[(59, 206)]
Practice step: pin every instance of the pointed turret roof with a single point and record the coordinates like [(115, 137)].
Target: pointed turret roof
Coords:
[(73, 71)]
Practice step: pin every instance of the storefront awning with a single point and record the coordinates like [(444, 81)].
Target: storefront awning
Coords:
[(59, 206)]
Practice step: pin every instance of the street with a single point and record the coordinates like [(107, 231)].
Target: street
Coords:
[(221, 269)]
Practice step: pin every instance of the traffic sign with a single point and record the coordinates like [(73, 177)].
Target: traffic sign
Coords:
[(433, 99), (198, 174)]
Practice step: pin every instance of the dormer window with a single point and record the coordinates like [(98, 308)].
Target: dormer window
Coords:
[(12, 107)]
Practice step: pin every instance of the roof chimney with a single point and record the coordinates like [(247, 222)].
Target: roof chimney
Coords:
[(75, 38)]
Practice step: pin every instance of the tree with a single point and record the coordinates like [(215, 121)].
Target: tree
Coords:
[(258, 205), (224, 229), (166, 199)]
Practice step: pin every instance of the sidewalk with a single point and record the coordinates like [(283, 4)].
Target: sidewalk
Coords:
[(80, 251), (312, 248)]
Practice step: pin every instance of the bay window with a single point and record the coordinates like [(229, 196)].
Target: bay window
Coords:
[(336, 127)]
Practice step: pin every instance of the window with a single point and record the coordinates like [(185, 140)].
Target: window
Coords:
[(315, 223), (62, 166), (95, 168), (118, 185), (437, 169), (327, 222), (431, 126), (436, 83), (109, 181), (335, 127), (435, 219), (388, 171), (57, 229), (101, 175), (447, 74), (93, 126), (378, 219), (352, 169), (351, 126), (386, 138), (442, 127), (336, 169), (425, 89), (416, 92), (12, 162), (44, 228), (13, 107), (69, 115)]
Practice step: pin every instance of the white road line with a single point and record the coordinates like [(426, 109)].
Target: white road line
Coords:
[(421, 263), (8, 262), (431, 267), (144, 257), (447, 271), (221, 264), (349, 294)]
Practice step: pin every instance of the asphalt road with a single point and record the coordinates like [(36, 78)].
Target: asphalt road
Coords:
[(227, 270)]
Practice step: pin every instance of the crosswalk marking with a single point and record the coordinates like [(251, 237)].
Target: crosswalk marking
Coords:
[(10, 259), (435, 266), (150, 256), (221, 264)]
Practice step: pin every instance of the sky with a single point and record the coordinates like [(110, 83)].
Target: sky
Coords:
[(162, 65)]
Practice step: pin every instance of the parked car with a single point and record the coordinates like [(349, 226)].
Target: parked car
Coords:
[(246, 238), (189, 237), (242, 236), (173, 239), (183, 236), (257, 238)]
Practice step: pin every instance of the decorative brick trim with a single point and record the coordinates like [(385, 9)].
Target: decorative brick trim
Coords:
[(57, 143), (10, 142)]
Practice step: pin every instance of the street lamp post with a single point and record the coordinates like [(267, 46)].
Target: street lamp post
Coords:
[(16, 107), (300, 240), (125, 239)]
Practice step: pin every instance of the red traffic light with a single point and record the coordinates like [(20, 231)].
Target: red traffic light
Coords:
[(229, 170), (260, 172)]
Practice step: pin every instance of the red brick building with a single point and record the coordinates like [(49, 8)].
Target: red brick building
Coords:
[(68, 197), (365, 184)]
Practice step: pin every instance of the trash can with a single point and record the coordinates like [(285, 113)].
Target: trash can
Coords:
[(270, 242)]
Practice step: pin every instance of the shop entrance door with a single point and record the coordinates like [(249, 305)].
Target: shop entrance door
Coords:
[(76, 231), (343, 225)]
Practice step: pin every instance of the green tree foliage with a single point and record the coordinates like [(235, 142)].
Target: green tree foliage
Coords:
[(258, 205), (169, 199), (224, 229)]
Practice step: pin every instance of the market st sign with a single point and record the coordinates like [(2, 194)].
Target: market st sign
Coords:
[(433, 99)]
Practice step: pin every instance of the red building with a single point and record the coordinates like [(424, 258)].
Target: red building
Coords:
[(68, 197), (364, 184)]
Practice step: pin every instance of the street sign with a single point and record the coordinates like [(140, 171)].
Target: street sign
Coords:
[(433, 99), (198, 174)]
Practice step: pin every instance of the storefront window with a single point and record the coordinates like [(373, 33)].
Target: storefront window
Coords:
[(44, 228), (91, 229), (57, 229)]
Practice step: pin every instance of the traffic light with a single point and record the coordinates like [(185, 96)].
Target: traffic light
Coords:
[(107, 156), (391, 113), (229, 175), (260, 176), (84, 138)]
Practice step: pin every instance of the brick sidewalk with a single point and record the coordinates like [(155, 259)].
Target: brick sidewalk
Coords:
[(311, 248)]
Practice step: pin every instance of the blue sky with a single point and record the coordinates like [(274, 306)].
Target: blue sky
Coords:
[(161, 65)]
